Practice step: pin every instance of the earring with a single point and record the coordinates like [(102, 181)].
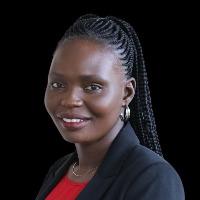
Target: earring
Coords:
[(126, 114)]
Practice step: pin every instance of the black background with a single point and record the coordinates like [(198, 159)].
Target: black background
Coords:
[(167, 34)]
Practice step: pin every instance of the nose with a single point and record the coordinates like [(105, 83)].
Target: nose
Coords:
[(71, 99)]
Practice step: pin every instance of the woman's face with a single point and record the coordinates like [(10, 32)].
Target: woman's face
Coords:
[(85, 91)]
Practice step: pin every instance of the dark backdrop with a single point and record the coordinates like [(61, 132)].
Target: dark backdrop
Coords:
[(166, 33)]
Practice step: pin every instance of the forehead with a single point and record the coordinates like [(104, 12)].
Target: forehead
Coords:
[(81, 56)]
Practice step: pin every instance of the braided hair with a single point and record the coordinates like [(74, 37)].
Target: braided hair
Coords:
[(121, 36)]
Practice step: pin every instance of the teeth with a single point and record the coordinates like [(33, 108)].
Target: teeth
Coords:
[(72, 120)]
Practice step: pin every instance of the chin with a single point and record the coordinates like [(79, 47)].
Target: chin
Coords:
[(75, 139)]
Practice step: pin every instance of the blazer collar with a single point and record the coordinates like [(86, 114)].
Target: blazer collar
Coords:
[(118, 151)]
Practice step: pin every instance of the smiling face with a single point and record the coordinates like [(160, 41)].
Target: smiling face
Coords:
[(86, 90)]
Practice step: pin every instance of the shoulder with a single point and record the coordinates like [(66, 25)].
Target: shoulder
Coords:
[(62, 160), (145, 161), (57, 165), (143, 157), (153, 174)]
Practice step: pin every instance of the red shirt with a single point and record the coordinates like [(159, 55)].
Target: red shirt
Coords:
[(66, 189)]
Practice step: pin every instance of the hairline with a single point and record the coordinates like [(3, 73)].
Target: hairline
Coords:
[(102, 42)]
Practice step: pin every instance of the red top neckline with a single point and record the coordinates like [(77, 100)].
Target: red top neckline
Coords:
[(75, 182), (66, 189)]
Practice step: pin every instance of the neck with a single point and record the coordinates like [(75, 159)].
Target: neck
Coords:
[(91, 155)]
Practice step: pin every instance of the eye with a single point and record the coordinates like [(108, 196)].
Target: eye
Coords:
[(57, 85), (93, 87)]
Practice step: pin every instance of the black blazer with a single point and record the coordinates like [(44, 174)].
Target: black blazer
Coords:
[(129, 171)]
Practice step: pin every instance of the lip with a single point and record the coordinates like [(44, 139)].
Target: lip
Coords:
[(73, 126), (72, 116)]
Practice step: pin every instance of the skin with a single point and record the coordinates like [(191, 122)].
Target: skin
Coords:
[(101, 97)]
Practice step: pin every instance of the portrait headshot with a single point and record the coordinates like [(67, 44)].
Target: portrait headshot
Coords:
[(99, 100)]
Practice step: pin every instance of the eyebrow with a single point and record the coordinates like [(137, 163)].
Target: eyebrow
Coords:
[(82, 77), (56, 74)]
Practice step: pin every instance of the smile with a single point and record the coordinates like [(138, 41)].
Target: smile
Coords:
[(74, 124), (72, 120)]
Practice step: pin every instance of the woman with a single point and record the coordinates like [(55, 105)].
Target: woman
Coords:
[(97, 71)]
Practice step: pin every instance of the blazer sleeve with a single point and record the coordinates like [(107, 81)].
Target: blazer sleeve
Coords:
[(158, 181)]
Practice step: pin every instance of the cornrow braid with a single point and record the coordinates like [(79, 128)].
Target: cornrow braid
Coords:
[(142, 106), (121, 36)]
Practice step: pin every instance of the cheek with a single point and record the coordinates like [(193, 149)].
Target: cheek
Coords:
[(106, 105), (47, 103), (50, 101)]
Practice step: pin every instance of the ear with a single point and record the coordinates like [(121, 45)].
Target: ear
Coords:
[(129, 91)]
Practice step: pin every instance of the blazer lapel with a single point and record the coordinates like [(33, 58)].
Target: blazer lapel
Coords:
[(96, 188)]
